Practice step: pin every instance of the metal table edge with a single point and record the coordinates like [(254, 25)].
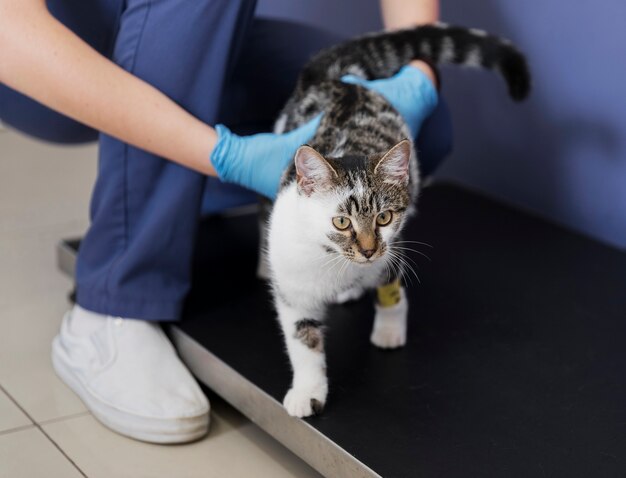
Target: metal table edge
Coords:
[(297, 435)]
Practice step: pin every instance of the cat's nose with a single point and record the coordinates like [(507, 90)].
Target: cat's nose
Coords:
[(368, 252)]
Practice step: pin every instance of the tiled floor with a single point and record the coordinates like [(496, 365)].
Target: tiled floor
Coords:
[(45, 430)]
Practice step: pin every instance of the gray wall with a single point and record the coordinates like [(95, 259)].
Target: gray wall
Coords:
[(563, 153)]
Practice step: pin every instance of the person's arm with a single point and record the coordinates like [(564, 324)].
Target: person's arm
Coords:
[(44, 60), (412, 90), (399, 14), (408, 13)]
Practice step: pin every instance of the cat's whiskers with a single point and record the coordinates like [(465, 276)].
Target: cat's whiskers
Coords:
[(399, 270), (334, 257), (326, 255), (342, 270), (412, 270), (405, 256), (396, 246), (413, 250), (332, 264), (412, 242), (388, 270), (403, 260)]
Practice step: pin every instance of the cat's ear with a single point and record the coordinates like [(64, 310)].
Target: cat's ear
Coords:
[(394, 165), (312, 171)]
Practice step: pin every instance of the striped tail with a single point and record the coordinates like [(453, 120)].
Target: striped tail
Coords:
[(381, 55)]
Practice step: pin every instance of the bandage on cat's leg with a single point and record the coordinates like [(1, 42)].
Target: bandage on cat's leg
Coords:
[(389, 294), (390, 320), (304, 338)]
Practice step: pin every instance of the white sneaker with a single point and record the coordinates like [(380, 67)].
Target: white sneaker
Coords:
[(128, 375)]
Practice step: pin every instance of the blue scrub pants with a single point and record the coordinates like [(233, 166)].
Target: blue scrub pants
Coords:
[(221, 64)]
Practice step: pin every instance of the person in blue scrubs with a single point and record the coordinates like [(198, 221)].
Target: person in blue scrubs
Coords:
[(147, 79)]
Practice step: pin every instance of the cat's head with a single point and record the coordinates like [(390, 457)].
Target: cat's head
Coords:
[(360, 203)]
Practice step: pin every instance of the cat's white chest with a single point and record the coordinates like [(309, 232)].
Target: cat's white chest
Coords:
[(301, 266)]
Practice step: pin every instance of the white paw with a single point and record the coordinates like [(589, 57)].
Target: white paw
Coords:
[(304, 402), (389, 330), (349, 295), (389, 337)]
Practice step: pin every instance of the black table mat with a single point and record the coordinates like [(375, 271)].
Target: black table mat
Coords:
[(515, 364)]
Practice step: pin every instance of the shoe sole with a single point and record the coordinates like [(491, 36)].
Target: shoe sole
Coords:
[(148, 429)]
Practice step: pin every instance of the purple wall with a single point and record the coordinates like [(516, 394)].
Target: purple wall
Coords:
[(563, 153)]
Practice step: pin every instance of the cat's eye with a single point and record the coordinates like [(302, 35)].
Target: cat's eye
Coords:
[(341, 222), (384, 218)]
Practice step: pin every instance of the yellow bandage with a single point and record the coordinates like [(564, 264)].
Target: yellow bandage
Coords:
[(389, 294)]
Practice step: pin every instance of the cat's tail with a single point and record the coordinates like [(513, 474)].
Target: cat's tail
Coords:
[(381, 55)]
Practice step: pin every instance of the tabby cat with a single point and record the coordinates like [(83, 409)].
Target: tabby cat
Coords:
[(336, 223)]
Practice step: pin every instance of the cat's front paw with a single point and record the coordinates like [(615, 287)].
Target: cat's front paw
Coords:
[(389, 337), (304, 402), (390, 323)]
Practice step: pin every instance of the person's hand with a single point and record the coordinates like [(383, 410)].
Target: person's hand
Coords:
[(257, 162), (409, 91)]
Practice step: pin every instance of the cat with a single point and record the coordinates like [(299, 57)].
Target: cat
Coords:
[(335, 227)]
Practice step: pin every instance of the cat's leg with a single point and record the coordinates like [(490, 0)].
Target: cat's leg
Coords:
[(305, 345), (265, 210), (349, 295), (390, 320)]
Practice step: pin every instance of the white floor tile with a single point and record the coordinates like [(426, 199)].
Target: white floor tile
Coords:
[(29, 454), (43, 184), (234, 448), (44, 195), (25, 365), (28, 269), (10, 415)]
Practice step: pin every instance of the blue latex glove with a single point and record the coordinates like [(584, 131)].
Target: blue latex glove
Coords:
[(258, 161), (409, 91)]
